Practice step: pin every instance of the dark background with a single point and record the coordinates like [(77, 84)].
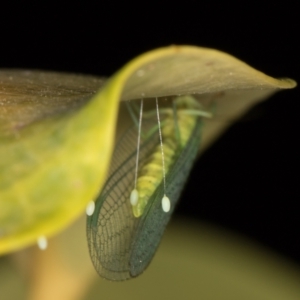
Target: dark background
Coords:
[(248, 181)]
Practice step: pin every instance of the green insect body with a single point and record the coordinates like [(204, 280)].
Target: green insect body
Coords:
[(122, 242), (151, 175)]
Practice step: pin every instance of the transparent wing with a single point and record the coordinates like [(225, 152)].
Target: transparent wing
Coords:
[(122, 246), (111, 229)]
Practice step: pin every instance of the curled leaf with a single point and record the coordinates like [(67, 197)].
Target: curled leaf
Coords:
[(57, 133)]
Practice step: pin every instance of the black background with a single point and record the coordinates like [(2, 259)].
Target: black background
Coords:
[(248, 181)]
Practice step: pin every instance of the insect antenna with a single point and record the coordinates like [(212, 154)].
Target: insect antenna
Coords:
[(133, 111), (177, 131)]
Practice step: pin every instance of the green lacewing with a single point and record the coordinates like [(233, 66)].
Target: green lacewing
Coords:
[(123, 236)]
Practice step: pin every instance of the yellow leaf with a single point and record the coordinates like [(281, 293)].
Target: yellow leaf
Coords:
[(56, 134)]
